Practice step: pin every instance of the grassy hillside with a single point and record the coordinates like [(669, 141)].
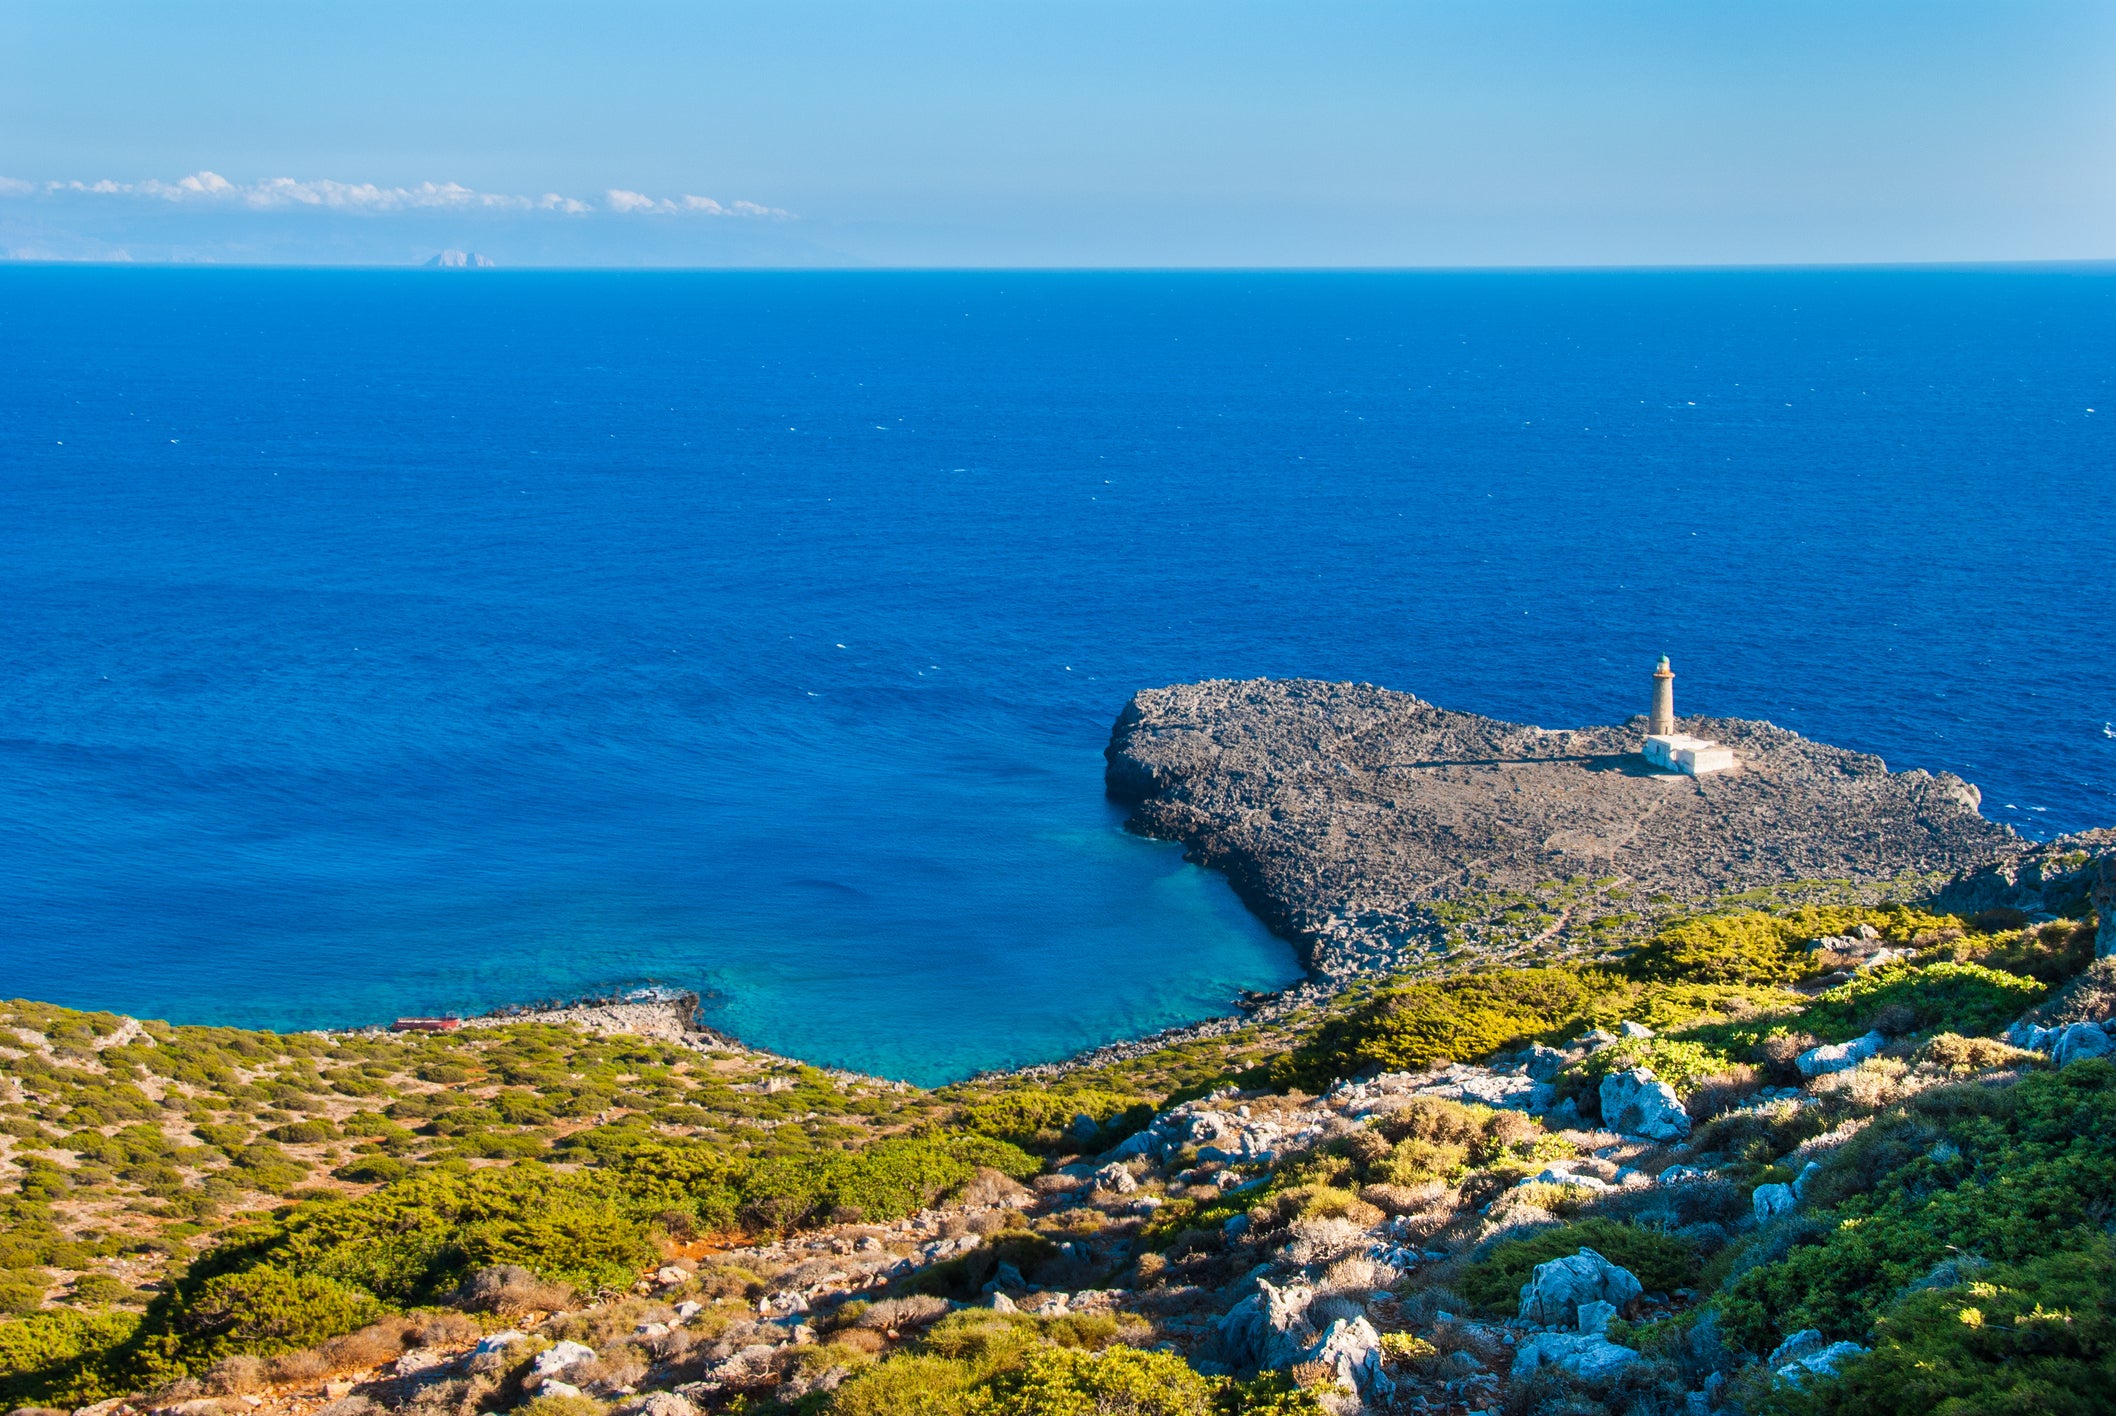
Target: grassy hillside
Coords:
[(203, 1211)]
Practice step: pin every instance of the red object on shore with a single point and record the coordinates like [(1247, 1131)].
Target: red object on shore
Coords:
[(426, 1025)]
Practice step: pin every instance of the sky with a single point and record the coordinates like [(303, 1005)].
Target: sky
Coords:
[(1074, 133)]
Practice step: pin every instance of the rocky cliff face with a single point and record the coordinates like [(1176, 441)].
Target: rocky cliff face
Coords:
[(1345, 813)]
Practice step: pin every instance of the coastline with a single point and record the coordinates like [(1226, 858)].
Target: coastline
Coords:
[(1317, 747)]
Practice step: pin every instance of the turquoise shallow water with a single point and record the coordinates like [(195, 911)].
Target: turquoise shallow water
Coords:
[(389, 642)]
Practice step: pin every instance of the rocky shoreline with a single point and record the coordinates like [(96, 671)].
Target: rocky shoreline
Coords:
[(1369, 827), (1376, 831)]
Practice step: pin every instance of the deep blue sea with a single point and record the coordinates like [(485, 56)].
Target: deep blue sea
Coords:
[(387, 642)]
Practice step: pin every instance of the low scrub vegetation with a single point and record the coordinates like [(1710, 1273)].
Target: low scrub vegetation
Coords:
[(189, 1205)]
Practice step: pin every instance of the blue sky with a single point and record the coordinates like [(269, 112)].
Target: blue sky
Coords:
[(1148, 132)]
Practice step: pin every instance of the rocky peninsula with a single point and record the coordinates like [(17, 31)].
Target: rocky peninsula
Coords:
[(1373, 828)]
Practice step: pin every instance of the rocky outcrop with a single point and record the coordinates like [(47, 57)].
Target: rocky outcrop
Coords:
[(1587, 1355), (1636, 1103), (1838, 1056), (1270, 1327), (1352, 1349), (1808, 1353), (2067, 876), (1344, 812), (1553, 1295)]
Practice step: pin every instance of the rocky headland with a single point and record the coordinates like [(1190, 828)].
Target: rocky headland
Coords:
[(1373, 828)]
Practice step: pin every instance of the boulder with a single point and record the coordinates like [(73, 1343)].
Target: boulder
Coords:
[(1270, 1327), (1137, 1143), (1352, 1349), (2077, 1041), (1838, 1056), (1804, 1343), (1636, 1103), (1581, 1354), (552, 1386), (499, 1341), (1544, 1063), (1115, 1179), (1771, 1200), (1807, 1172), (1634, 1030), (1595, 1317), (559, 1357), (1552, 1296), (1083, 1130), (658, 1403), (999, 1302), (1681, 1175), (1818, 1363)]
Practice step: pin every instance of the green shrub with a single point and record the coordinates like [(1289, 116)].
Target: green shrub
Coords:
[(1031, 1115), (556, 1403), (2049, 953), (56, 1358), (914, 1384), (1067, 1381), (1468, 1017), (2036, 1337), (1901, 998), (263, 1311), (1426, 1024), (1757, 947), (98, 1290), (373, 1170), (2007, 1174), (1660, 1261), (1680, 1063), (22, 1290)]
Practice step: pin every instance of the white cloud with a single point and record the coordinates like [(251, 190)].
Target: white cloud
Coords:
[(640, 204), (210, 189)]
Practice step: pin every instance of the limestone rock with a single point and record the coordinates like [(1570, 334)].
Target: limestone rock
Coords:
[(560, 1357), (1596, 1316), (1352, 1348), (2080, 1040), (1838, 1056), (1270, 1327), (1805, 1355), (1582, 1354), (1804, 1343), (1637, 1103), (1634, 1030), (658, 1403), (1771, 1200), (1553, 1294), (1115, 1179), (1544, 1063)]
